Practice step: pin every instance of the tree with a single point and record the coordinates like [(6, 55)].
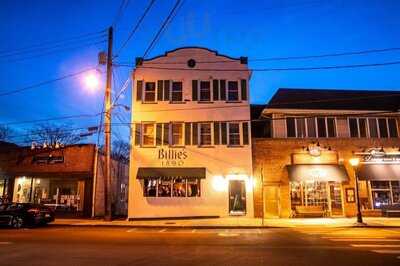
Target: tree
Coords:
[(5, 132), (120, 150), (54, 133)]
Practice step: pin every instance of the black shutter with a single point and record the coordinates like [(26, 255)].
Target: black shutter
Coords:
[(223, 133), (194, 90), (216, 133), (139, 90), (158, 134), (188, 133), (166, 134), (166, 90), (160, 90), (222, 90), (215, 90), (243, 83), (194, 134), (245, 130), (137, 134)]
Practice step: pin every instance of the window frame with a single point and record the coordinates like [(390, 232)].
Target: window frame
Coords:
[(239, 133), (199, 91), (145, 92), (368, 126), (315, 122), (171, 182), (172, 133), (200, 124), (172, 89), (142, 137), (228, 90)]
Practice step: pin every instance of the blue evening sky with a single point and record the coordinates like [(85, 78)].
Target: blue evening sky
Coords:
[(257, 29)]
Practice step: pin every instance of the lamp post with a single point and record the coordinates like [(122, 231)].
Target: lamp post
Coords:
[(354, 162)]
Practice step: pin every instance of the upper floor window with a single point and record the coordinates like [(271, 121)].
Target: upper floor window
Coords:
[(373, 127), (205, 134), (177, 134), (233, 91), (205, 91), (176, 91), (234, 134), (150, 92), (321, 127), (148, 134)]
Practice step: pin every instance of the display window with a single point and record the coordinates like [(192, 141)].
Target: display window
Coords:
[(176, 187)]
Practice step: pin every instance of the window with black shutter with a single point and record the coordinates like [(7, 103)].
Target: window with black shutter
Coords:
[(160, 90), (222, 90), (137, 134), (194, 90), (216, 133), (159, 134), (188, 133), (166, 90), (139, 90), (215, 90), (195, 133), (243, 85), (223, 133), (245, 130), (166, 134)]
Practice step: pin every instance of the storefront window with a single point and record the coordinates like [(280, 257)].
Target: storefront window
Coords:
[(164, 188), (150, 188), (380, 193), (193, 187), (179, 187), (396, 192)]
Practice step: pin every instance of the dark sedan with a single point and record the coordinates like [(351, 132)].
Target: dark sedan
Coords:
[(19, 215)]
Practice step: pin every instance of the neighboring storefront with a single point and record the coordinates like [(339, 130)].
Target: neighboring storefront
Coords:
[(68, 179)]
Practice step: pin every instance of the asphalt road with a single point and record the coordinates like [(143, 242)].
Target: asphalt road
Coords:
[(55, 245)]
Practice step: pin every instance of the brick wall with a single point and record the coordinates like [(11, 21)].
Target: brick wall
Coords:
[(272, 155)]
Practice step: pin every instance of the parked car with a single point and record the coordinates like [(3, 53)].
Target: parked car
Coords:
[(19, 215)]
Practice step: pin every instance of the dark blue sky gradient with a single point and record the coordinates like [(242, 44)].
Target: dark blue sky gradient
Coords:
[(257, 29)]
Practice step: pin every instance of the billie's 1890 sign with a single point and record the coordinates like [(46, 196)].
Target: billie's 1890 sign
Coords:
[(172, 157)]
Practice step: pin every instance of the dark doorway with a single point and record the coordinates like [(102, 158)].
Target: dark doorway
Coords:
[(237, 197)]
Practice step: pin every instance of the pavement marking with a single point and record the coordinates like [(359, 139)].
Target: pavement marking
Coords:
[(194, 231), (131, 230), (374, 246), (228, 234), (386, 251), (5, 243), (162, 230), (356, 237), (363, 240)]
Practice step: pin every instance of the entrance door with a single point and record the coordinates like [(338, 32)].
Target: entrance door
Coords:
[(335, 193), (237, 197), (271, 202)]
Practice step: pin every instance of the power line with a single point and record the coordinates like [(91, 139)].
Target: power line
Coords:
[(164, 24), (124, 4), (136, 26), (6, 93), (51, 119), (267, 69)]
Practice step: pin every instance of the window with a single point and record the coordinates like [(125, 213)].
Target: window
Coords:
[(233, 91), (393, 128), (321, 125), (383, 130), (177, 134), (205, 91), (373, 127), (234, 134), (148, 135), (381, 193), (301, 127), (362, 125), (353, 127), (150, 188), (311, 129), (150, 92), (205, 134), (164, 188), (290, 127), (331, 127), (177, 187), (176, 92)]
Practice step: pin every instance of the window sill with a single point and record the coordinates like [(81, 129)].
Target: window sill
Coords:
[(177, 102), (235, 146), (149, 102), (233, 101), (176, 146), (205, 102), (148, 146), (205, 146)]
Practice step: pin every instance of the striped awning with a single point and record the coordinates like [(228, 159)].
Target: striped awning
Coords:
[(171, 172)]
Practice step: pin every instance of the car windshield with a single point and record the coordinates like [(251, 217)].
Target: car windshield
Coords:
[(15, 207)]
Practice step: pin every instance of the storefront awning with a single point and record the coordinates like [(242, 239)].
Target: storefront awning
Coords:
[(317, 172), (379, 171), (171, 172)]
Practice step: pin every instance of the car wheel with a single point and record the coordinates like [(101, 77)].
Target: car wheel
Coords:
[(17, 222)]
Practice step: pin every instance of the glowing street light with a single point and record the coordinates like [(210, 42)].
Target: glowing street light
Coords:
[(92, 81), (355, 162)]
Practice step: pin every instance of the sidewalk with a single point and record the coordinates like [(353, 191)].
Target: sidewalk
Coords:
[(235, 222)]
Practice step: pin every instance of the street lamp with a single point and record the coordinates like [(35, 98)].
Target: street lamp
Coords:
[(92, 81), (355, 162)]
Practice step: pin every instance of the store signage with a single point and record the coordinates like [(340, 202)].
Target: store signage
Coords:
[(47, 159), (172, 157)]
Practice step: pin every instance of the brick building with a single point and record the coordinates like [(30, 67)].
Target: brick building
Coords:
[(303, 141)]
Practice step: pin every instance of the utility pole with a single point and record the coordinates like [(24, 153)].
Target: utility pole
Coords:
[(107, 131)]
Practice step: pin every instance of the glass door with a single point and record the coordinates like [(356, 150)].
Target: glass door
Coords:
[(237, 197), (335, 193)]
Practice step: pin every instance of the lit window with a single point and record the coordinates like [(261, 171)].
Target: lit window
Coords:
[(177, 134), (205, 134), (150, 188), (179, 187), (150, 92), (234, 134), (193, 187), (176, 92), (164, 188), (205, 91), (148, 135), (233, 91)]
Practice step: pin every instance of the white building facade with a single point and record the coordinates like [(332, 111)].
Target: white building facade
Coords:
[(191, 143)]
